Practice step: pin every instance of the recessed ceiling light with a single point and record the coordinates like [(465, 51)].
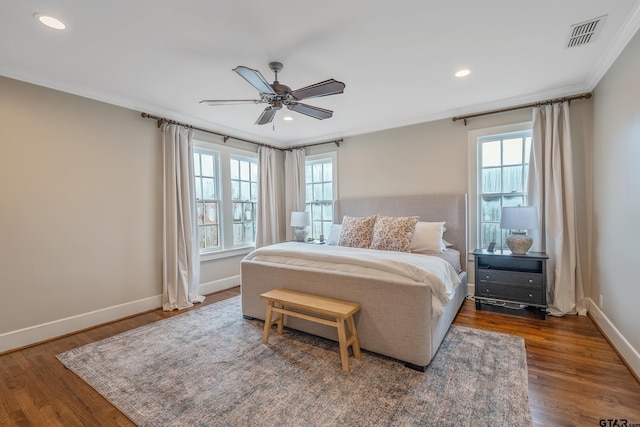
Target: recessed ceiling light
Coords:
[(463, 73), (50, 21), (287, 118)]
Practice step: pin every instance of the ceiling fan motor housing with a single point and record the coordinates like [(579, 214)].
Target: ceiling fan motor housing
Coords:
[(280, 89)]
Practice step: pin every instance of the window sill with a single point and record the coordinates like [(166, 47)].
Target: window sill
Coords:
[(229, 253)]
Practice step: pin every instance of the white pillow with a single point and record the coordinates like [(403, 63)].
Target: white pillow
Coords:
[(334, 235), (427, 237)]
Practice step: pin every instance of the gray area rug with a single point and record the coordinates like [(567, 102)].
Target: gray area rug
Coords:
[(208, 367)]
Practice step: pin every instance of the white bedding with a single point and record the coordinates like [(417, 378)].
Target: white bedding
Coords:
[(425, 270)]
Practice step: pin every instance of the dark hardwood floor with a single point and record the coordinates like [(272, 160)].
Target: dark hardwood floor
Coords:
[(575, 377)]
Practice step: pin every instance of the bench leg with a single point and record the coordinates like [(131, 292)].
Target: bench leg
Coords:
[(354, 336), (342, 339), (280, 321), (267, 323)]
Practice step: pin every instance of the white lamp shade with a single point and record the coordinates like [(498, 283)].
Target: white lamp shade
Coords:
[(519, 218), (300, 219)]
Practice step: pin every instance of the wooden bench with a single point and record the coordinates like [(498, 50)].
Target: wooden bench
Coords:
[(286, 302)]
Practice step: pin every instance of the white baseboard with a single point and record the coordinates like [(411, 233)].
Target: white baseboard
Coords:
[(56, 328), (619, 342), (471, 289), (219, 285), (46, 331)]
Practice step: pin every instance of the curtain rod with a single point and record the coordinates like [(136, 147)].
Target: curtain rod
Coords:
[(534, 104), (227, 137)]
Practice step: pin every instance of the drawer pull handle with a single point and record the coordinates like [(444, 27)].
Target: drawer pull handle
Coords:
[(530, 295), (488, 277), (487, 290), (530, 280)]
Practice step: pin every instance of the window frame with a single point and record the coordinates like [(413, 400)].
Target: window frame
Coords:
[(225, 208), (518, 196), (474, 138), (315, 159)]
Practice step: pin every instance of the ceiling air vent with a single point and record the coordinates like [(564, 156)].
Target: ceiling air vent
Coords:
[(585, 32)]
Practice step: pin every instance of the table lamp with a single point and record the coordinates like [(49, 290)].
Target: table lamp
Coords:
[(519, 219), (300, 221)]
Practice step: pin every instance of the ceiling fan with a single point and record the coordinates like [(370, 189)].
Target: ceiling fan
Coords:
[(277, 95)]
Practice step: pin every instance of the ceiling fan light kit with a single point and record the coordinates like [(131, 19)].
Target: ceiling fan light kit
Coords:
[(278, 95)]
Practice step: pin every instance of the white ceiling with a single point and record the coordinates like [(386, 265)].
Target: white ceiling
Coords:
[(397, 58)]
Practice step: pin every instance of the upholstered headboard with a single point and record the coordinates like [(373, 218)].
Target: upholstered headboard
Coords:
[(451, 208)]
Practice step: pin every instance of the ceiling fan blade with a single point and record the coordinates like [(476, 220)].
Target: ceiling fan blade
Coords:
[(255, 79), (266, 116), (230, 101), (310, 110), (327, 87)]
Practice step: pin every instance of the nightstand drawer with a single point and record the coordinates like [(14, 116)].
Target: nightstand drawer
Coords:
[(510, 277), (524, 294)]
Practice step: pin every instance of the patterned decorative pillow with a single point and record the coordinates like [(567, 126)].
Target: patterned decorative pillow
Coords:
[(393, 233), (356, 232)]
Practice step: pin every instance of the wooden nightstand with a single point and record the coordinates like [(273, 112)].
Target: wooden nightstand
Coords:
[(506, 279)]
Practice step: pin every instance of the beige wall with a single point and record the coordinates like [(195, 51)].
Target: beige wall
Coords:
[(616, 200), (80, 212), (425, 158), (80, 187)]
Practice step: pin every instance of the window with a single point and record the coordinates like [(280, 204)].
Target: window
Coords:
[(205, 165), (226, 182), (503, 168), (244, 197), (320, 173)]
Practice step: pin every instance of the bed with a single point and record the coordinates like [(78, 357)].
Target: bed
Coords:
[(403, 316)]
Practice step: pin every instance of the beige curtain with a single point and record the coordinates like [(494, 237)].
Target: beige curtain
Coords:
[(268, 221), (551, 189), (294, 182), (181, 253)]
